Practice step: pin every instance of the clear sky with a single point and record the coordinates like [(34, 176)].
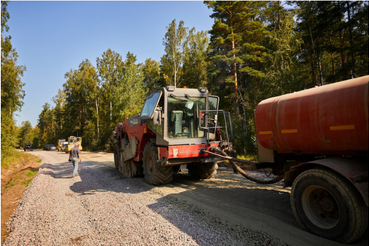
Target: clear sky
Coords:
[(53, 37)]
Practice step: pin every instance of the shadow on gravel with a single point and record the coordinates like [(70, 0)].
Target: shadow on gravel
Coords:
[(95, 178), (227, 208), (61, 170)]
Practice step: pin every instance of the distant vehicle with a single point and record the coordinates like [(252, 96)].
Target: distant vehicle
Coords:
[(61, 142), (51, 147), (72, 140), (46, 146), (61, 146), (27, 146)]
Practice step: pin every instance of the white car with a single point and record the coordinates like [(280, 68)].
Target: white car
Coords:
[(51, 147)]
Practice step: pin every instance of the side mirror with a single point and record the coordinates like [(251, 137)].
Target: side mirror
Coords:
[(157, 117)]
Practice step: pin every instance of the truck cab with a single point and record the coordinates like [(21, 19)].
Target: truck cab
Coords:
[(177, 115)]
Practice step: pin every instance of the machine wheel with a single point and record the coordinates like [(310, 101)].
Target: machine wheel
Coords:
[(202, 170), (155, 174), (327, 205)]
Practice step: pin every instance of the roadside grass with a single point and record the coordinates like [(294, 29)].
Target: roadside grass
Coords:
[(10, 184), (9, 160), (21, 176), (27, 182), (30, 173), (17, 172), (248, 157), (11, 165)]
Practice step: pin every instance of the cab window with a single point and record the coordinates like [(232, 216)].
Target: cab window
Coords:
[(149, 106)]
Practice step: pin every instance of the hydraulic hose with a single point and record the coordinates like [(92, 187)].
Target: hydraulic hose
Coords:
[(246, 175)]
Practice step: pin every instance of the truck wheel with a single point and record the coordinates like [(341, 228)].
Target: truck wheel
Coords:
[(202, 170), (327, 205), (155, 174)]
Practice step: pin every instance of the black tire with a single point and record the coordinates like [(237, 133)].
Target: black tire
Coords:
[(327, 205), (154, 173), (202, 170)]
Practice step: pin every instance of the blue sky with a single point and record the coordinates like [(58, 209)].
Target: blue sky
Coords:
[(53, 37)]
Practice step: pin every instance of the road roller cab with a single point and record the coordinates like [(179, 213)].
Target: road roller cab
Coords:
[(175, 124)]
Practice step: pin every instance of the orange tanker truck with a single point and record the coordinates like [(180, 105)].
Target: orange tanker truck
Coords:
[(316, 140)]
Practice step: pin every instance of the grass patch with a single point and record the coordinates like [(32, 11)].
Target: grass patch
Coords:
[(27, 182), (11, 184), (7, 161), (248, 157), (30, 173), (39, 160)]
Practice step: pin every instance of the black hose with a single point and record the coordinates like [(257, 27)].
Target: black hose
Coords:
[(246, 175)]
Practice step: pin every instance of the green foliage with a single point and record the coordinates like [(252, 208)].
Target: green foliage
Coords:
[(284, 42), (151, 72), (10, 184), (335, 40), (27, 182), (30, 173), (45, 126), (130, 92), (81, 94), (174, 42), (195, 60), (26, 134), (12, 92), (11, 157)]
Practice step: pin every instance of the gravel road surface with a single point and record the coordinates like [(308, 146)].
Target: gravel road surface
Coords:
[(102, 207)]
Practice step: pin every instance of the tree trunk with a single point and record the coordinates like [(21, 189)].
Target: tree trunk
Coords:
[(234, 68), (111, 111), (343, 59), (351, 41), (332, 57), (97, 120), (312, 56)]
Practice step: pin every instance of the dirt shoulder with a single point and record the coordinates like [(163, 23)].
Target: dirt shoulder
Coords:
[(14, 181)]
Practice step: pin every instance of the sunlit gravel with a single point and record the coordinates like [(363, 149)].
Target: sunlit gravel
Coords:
[(102, 207)]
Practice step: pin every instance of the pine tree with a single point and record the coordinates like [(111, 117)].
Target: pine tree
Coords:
[(195, 62), (130, 91), (151, 72), (12, 92)]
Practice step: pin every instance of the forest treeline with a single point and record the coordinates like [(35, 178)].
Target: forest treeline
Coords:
[(255, 50)]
